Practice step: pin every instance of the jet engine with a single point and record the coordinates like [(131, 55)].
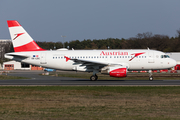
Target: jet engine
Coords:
[(115, 71)]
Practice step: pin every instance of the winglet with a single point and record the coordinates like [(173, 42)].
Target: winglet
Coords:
[(67, 58)]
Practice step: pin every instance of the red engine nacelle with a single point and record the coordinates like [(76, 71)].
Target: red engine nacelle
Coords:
[(120, 72)]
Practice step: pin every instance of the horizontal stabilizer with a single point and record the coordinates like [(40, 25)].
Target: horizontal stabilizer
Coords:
[(16, 55)]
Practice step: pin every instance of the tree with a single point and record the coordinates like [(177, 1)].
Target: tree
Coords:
[(178, 31)]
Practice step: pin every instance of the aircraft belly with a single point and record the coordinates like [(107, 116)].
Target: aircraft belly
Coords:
[(61, 64), (146, 66)]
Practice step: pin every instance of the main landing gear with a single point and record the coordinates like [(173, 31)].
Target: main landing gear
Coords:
[(94, 77), (150, 75)]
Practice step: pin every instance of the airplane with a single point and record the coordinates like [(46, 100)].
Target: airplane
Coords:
[(114, 62)]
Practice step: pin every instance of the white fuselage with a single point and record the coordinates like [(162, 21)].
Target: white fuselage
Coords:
[(147, 60)]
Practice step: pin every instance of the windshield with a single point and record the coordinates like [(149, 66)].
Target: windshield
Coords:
[(165, 56)]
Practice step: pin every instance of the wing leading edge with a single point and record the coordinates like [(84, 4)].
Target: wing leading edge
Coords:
[(93, 62)]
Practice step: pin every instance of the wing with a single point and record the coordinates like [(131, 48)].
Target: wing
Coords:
[(94, 64)]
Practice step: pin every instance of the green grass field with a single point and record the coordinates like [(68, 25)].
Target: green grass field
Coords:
[(89, 102)]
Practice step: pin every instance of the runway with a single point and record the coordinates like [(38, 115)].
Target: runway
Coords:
[(38, 80)]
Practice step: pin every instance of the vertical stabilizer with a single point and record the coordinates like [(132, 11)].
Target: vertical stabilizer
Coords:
[(21, 40)]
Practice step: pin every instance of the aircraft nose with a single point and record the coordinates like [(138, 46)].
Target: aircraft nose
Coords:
[(173, 62)]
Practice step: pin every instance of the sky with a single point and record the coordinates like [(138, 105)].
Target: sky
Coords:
[(48, 20)]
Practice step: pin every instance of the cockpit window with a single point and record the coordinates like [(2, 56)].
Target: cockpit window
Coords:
[(165, 56)]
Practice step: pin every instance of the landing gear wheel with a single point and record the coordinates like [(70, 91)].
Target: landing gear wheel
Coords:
[(93, 77), (150, 75), (151, 78), (96, 77)]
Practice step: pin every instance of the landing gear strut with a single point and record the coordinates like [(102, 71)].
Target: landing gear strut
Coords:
[(150, 75), (94, 77)]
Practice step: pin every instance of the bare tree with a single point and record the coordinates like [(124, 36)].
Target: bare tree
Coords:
[(178, 31)]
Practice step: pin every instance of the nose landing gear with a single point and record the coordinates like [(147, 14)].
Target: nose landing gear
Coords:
[(150, 75)]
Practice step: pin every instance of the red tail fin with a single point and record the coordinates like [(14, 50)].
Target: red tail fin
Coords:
[(21, 40)]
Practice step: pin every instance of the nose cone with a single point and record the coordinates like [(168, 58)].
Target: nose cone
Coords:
[(173, 63)]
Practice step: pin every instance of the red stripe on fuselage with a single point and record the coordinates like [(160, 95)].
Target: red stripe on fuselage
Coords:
[(135, 55), (13, 23), (32, 46)]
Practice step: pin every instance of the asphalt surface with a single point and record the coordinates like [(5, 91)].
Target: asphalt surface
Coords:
[(38, 80)]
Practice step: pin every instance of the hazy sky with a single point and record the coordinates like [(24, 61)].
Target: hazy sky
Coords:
[(47, 20)]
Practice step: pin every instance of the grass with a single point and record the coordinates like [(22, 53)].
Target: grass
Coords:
[(89, 102), (130, 76), (6, 77)]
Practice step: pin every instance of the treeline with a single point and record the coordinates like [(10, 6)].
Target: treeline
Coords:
[(141, 41)]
